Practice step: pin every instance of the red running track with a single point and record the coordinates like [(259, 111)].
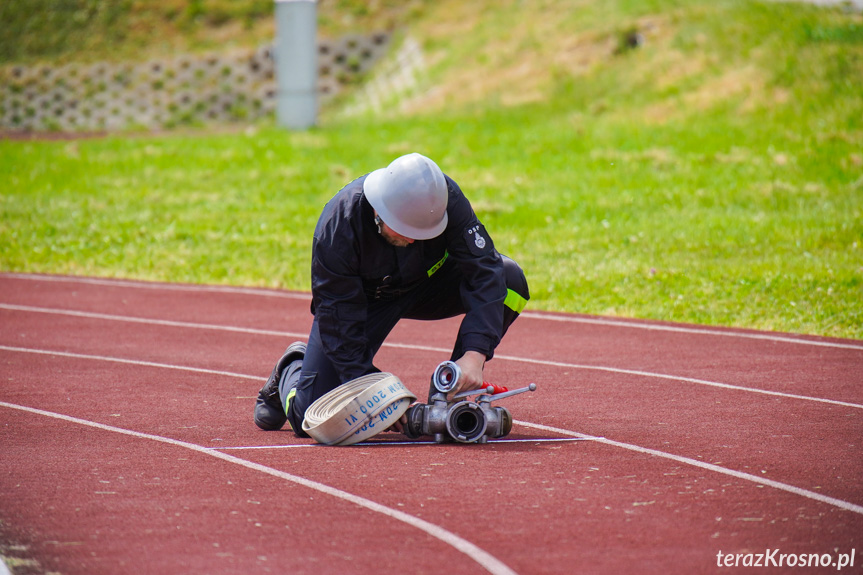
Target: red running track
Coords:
[(128, 446)]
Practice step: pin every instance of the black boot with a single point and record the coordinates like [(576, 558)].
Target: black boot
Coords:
[(270, 414)]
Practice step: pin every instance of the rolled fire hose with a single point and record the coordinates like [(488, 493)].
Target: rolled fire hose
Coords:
[(358, 409)]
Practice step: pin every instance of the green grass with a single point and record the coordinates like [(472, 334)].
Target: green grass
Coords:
[(712, 176)]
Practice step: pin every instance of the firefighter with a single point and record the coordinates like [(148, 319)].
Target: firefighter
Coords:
[(400, 242)]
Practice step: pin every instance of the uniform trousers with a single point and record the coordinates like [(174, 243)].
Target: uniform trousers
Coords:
[(437, 298)]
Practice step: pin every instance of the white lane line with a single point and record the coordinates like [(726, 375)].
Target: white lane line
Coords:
[(680, 378), (846, 505), (144, 320), (130, 362), (408, 443), (709, 466), (689, 330), (156, 286), (254, 447), (411, 347), (486, 560), (633, 324)]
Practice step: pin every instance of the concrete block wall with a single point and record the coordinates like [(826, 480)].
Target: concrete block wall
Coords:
[(394, 81), (161, 93)]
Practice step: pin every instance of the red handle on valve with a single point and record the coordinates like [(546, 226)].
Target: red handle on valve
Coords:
[(497, 388)]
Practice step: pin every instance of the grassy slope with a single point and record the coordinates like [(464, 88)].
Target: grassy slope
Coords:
[(54, 31), (714, 173), (711, 175)]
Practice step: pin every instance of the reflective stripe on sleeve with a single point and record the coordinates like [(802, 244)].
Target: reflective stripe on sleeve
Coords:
[(514, 301)]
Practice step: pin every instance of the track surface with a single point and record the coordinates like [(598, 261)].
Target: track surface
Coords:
[(128, 445)]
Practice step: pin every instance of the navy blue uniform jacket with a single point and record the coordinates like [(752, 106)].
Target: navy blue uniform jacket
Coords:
[(353, 267)]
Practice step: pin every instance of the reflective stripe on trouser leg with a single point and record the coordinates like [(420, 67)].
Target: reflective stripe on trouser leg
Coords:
[(287, 402), (288, 383)]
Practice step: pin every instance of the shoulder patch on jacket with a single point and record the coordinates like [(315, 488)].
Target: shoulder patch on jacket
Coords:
[(478, 241)]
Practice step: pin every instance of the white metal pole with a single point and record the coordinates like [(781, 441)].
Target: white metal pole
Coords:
[(296, 63)]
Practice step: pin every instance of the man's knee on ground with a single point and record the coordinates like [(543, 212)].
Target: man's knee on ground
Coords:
[(515, 279)]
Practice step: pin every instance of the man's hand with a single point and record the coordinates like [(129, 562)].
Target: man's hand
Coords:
[(400, 425), (471, 364)]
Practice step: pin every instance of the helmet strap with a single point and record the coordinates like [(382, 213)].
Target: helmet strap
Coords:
[(378, 222)]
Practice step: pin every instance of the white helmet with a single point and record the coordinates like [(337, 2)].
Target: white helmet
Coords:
[(410, 196)]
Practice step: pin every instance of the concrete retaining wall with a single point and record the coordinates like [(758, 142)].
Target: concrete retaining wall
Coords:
[(162, 93)]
